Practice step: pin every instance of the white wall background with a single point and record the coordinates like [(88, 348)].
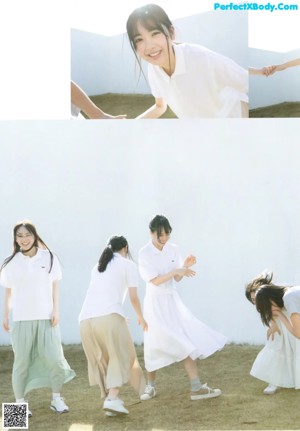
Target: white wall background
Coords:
[(231, 193), (278, 88), (101, 64)]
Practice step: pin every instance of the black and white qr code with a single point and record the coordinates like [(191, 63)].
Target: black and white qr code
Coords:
[(14, 416)]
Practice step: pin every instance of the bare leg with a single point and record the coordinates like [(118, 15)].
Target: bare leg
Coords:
[(151, 376), (113, 393), (191, 368)]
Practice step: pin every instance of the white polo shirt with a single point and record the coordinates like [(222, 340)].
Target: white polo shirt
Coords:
[(204, 84), (291, 300), (31, 285), (154, 262), (107, 290)]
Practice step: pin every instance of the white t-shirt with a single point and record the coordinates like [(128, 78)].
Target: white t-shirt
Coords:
[(31, 285), (204, 84), (107, 290), (154, 262), (291, 300)]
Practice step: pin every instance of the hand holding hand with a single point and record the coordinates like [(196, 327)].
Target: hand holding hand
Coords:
[(268, 70)]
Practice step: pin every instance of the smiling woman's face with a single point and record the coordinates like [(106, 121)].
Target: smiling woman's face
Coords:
[(24, 239)]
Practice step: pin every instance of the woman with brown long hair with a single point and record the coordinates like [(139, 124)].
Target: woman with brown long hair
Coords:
[(31, 275)]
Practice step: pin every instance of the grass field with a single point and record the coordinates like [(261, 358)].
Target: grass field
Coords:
[(242, 405), (135, 104)]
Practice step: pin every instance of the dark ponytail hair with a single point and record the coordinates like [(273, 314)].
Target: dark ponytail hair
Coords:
[(115, 244), (158, 224), (37, 242), (265, 278)]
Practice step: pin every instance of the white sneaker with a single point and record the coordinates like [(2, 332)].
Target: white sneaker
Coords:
[(205, 392), (110, 414), (58, 405), (270, 390), (149, 393), (115, 406)]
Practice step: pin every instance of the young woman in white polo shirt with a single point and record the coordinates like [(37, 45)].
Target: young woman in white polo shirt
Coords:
[(174, 334), (31, 276), (106, 340), (194, 81)]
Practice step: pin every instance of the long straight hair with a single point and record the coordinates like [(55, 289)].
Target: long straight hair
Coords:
[(265, 296), (37, 242), (150, 16), (115, 244)]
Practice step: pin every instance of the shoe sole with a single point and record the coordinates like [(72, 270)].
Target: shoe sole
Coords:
[(58, 412), (115, 412), (110, 414), (270, 393), (205, 396), (147, 397)]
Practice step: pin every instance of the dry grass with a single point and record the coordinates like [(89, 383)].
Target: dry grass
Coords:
[(282, 110), (135, 104), (241, 407), (130, 104)]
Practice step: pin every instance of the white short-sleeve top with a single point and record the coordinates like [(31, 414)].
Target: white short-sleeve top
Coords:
[(108, 289), (154, 262), (204, 84), (31, 285), (291, 300)]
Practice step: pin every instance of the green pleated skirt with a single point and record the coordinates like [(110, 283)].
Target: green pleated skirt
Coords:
[(39, 360)]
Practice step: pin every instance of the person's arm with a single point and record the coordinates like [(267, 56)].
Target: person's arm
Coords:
[(263, 71), (134, 299), (6, 309), (80, 99), (283, 66), (295, 319), (279, 314), (188, 262), (177, 274), (55, 314), (155, 111), (272, 330)]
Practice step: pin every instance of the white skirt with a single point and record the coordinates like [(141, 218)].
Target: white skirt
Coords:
[(174, 333), (278, 362)]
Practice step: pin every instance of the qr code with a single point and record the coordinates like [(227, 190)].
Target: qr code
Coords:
[(14, 416)]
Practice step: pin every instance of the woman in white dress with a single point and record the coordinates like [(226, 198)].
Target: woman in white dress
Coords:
[(174, 334), (278, 363), (106, 340)]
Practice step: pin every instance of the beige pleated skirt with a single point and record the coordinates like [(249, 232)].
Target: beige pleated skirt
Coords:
[(111, 356)]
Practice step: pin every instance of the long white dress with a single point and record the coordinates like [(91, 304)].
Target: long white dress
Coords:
[(174, 333), (278, 362)]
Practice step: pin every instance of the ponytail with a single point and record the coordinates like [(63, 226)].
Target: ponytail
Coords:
[(115, 244), (105, 258)]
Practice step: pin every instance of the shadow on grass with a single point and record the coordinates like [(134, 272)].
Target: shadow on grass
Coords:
[(242, 405)]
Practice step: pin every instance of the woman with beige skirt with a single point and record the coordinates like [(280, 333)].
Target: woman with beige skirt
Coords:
[(106, 340)]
